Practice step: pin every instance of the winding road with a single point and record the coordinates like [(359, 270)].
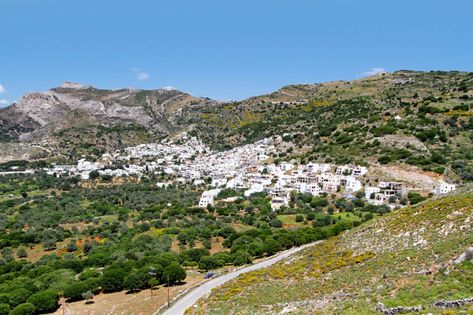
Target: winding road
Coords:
[(189, 299)]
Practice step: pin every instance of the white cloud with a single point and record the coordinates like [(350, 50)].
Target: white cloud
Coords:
[(374, 71), (2, 89), (142, 76), (3, 102), (169, 88)]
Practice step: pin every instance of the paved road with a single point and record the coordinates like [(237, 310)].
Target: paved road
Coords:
[(190, 298)]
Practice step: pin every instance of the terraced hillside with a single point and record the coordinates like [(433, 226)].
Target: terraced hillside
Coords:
[(417, 256)]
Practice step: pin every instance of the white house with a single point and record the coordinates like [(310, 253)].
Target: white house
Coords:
[(444, 188), (163, 184), (353, 185), (207, 197)]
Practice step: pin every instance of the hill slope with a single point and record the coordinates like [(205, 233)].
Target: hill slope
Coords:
[(423, 119), (74, 117), (408, 258)]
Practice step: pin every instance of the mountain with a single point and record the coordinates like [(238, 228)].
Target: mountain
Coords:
[(419, 257), (422, 119), (38, 115)]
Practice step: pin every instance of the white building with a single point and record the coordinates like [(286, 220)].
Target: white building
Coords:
[(444, 188), (353, 185), (207, 197)]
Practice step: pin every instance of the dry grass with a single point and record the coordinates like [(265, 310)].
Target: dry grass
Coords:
[(121, 303)]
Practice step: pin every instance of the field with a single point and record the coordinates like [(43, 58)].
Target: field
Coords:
[(123, 303)]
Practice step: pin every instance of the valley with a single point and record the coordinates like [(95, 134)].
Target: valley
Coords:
[(109, 195)]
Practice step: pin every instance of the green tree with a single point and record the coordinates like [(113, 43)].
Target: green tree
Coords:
[(44, 301), (136, 281), (21, 252), (173, 273), (112, 280), (4, 309), (415, 198), (89, 273), (94, 175), (24, 309), (19, 296), (74, 291), (272, 246), (209, 263), (72, 246)]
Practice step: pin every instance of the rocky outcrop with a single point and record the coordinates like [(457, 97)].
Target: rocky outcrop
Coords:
[(398, 309), (452, 304), (37, 115)]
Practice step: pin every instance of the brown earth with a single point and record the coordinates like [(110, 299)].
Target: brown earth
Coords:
[(122, 303)]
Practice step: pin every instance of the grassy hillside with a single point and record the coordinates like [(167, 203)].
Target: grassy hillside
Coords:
[(355, 121), (406, 258)]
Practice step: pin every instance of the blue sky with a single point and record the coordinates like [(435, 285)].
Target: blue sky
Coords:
[(224, 49)]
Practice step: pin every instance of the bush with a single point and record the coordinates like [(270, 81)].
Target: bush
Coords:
[(272, 246), (240, 258), (88, 274), (21, 252), (44, 301), (136, 281), (173, 273), (4, 309), (209, 263), (24, 309), (94, 174), (275, 223), (112, 280), (74, 291), (19, 296), (299, 218), (415, 198), (384, 159)]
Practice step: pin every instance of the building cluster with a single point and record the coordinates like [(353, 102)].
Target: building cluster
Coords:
[(248, 168)]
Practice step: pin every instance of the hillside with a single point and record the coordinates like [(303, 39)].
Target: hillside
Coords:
[(410, 257), (422, 119), (82, 119)]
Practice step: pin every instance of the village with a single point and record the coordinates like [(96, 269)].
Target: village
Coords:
[(247, 168)]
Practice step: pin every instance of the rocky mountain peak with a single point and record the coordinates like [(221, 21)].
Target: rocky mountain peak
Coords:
[(74, 86)]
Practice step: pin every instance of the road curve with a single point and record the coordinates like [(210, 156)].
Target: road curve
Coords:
[(186, 301)]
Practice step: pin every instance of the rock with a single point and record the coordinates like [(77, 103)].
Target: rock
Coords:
[(398, 309), (452, 304)]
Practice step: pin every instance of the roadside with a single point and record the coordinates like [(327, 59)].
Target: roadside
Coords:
[(181, 303)]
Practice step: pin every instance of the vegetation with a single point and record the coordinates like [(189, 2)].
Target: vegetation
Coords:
[(406, 258), (61, 238)]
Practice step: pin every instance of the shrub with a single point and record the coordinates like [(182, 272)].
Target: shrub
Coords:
[(276, 223), (19, 296), (112, 280), (44, 301), (209, 263), (4, 309), (136, 281), (415, 198), (384, 159), (174, 273), (24, 309), (89, 273), (74, 291)]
